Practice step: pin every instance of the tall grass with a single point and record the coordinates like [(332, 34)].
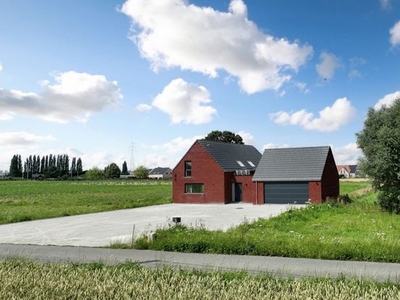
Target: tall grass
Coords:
[(23, 200), (30, 280)]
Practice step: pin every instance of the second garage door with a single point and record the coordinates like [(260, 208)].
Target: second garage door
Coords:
[(286, 192)]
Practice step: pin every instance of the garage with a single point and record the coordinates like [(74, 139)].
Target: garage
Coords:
[(286, 192), (296, 176)]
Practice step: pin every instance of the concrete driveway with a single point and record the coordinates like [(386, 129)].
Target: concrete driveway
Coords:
[(102, 229)]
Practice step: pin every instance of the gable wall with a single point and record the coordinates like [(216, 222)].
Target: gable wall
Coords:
[(204, 170), (330, 179)]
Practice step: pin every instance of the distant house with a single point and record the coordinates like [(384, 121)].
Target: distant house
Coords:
[(214, 172), (160, 173), (347, 171), (297, 175)]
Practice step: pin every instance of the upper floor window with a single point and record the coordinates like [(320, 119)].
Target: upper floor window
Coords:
[(188, 168)]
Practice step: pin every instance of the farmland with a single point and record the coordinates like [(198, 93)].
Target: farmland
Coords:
[(24, 200), (31, 280)]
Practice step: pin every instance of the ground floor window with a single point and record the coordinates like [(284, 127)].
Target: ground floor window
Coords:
[(194, 188)]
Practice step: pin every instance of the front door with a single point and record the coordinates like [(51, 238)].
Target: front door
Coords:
[(237, 192)]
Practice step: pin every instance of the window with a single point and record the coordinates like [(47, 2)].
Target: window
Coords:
[(188, 169), (194, 188), (240, 163), (251, 163)]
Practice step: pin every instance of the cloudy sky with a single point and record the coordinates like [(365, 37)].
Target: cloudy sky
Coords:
[(140, 80)]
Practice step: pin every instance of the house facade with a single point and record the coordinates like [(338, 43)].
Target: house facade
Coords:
[(215, 172), (347, 171)]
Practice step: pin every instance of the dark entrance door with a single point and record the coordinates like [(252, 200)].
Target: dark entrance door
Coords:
[(237, 192), (286, 192)]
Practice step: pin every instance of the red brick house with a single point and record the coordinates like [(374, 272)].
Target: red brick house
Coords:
[(215, 172), (296, 175)]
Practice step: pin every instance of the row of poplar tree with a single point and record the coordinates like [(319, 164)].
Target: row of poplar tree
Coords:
[(49, 166)]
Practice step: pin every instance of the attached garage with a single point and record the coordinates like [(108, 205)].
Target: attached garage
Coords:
[(296, 176), (286, 192)]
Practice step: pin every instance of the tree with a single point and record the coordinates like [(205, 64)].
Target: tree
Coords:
[(112, 171), (380, 142), (141, 172), (79, 166), (94, 174), (224, 136), (16, 166), (124, 169), (73, 166)]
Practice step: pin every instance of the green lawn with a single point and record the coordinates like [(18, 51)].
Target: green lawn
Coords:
[(357, 231), (22, 200)]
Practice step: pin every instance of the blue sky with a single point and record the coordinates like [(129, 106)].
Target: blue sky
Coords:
[(103, 80)]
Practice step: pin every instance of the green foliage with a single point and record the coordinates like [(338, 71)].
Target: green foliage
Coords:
[(141, 172), (31, 280), (94, 174), (380, 143), (224, 136), (16, 166), (23, 200), (112, 171), (124, 169)]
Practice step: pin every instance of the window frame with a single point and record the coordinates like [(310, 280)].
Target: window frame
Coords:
[(188, 168), (189, 188)]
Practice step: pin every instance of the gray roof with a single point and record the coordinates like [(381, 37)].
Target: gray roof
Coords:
[(231, 157), (292, 164), (159, 170)]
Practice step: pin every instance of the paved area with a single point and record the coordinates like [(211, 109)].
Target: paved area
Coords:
[(102, 229), (277, 266)]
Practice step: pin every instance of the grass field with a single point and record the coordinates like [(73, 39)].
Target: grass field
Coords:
[(356, 231), (30, 280), (23, 200)]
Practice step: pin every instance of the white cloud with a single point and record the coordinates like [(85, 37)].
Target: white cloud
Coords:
[(155, 160), (8, 115), (387, 100), (73, 96), (248, 138), (395, 34), (173, 33), (185, 103), (328, 65), (355, 63), (178, 144), (331, 118), (385, 4), (22, 138), (347, 155), (143, 107), (1, 67)]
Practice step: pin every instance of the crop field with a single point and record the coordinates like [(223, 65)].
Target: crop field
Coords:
[(31, 280), (23, 200)]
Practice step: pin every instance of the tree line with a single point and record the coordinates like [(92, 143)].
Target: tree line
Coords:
[(49, 166)]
